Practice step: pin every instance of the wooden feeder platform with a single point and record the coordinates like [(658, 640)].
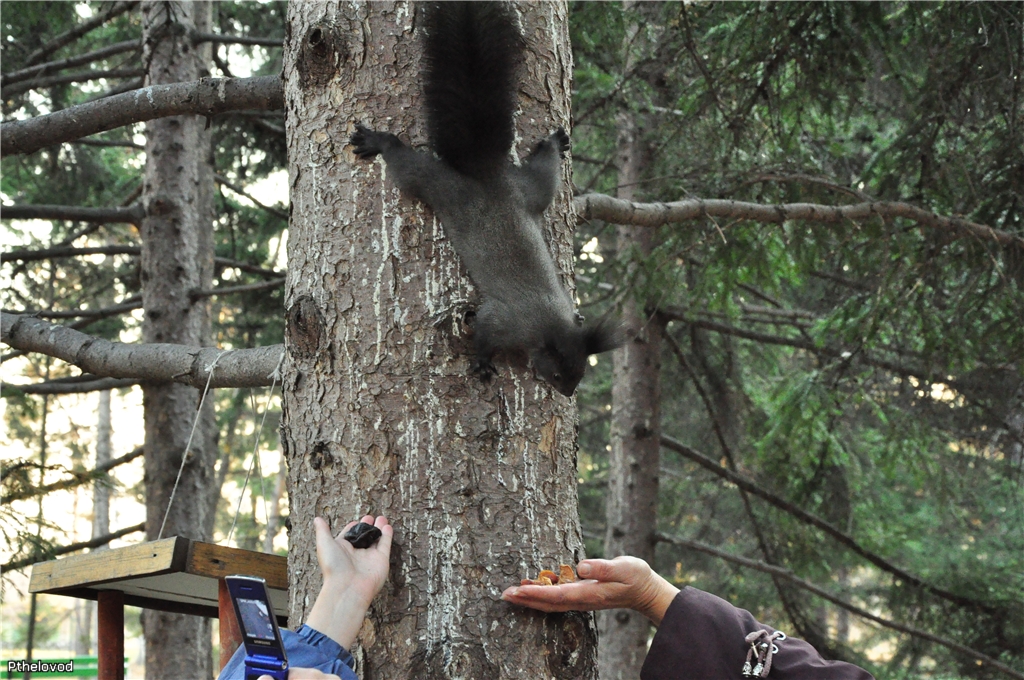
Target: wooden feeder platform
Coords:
[(174, 574)]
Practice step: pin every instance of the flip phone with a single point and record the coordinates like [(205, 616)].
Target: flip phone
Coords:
[(264, 648)]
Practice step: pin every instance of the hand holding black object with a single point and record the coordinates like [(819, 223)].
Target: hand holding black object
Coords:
[(351, 579), (362, 535)]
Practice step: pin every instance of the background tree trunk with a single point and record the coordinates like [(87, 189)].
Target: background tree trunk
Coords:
[(177, 257), (274, 520), (100, 518), (635, 429), (381, 413)]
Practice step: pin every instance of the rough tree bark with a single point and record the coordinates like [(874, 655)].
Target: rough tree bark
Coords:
[(381, 413), (632, 501), (177, 257)]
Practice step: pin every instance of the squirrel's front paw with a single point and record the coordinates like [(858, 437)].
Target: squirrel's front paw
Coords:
[(367, 142), (561, 140), (484, 369)]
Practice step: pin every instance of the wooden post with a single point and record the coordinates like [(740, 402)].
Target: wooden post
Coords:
[(110, 615), (230, 635)]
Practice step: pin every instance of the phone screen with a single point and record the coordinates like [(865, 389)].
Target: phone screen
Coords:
[(255, 619)]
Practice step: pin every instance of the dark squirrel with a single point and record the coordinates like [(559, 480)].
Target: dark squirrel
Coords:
[(491, 209)]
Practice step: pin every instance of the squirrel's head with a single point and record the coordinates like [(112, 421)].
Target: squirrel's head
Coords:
[(562, 360)]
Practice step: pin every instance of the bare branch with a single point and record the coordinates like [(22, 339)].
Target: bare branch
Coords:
[(269, 127), (126, 305), (618, 211), (109, 142), (77, 32), (127, 86), (824, 594), (84, 322), (250, 268), (223, 181), (204, 97), (156, 362), (76, 479), (55, 253), (67, 78), (815, 521), (70, 62), (102, 313), (130, 215), (228, 290), (198, 37), (56, 387), (74, 547)]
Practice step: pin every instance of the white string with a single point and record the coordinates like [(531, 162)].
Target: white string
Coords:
[(256, 459), (184, 456), (276, 374)]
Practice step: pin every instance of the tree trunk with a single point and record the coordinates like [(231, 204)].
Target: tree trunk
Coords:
[(100, 518), (177, 257), (381, 413), (101, 487), (632, 501), (274, 521)]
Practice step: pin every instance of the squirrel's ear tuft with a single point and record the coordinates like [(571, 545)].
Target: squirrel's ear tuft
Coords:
[(603, 336)]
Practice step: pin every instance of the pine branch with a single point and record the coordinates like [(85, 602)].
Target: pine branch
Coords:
[(815, 521), (61, 64), (76, 479), (84, 322), (109, 143), (127, 86), (224, 181), (250, 268), (127, 305), (618, 211), (228, 290), (77, 32), (799, 343), (56, 253), (130, 215), (68, 78), (807, 585), (205, 97), (27, 255), (155, 362), (198, 37), (55, 387), (74, 547)]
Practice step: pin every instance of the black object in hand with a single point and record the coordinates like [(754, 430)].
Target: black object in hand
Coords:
[(362, 535)]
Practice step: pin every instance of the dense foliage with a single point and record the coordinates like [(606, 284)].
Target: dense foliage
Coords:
[(869, 373)]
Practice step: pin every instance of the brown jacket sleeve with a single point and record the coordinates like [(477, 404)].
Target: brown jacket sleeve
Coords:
[(702, 638)]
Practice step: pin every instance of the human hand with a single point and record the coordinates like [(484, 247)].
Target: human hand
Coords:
[(352, 577), (305, 674), (363, 570), (622, 583)]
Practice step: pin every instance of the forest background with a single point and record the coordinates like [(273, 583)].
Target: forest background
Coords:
[(862, 375)]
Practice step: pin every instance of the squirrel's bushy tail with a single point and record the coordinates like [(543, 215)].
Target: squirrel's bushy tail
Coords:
[(472, 54)]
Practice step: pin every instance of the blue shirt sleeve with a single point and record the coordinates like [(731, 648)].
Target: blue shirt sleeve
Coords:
[(306, 648)]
